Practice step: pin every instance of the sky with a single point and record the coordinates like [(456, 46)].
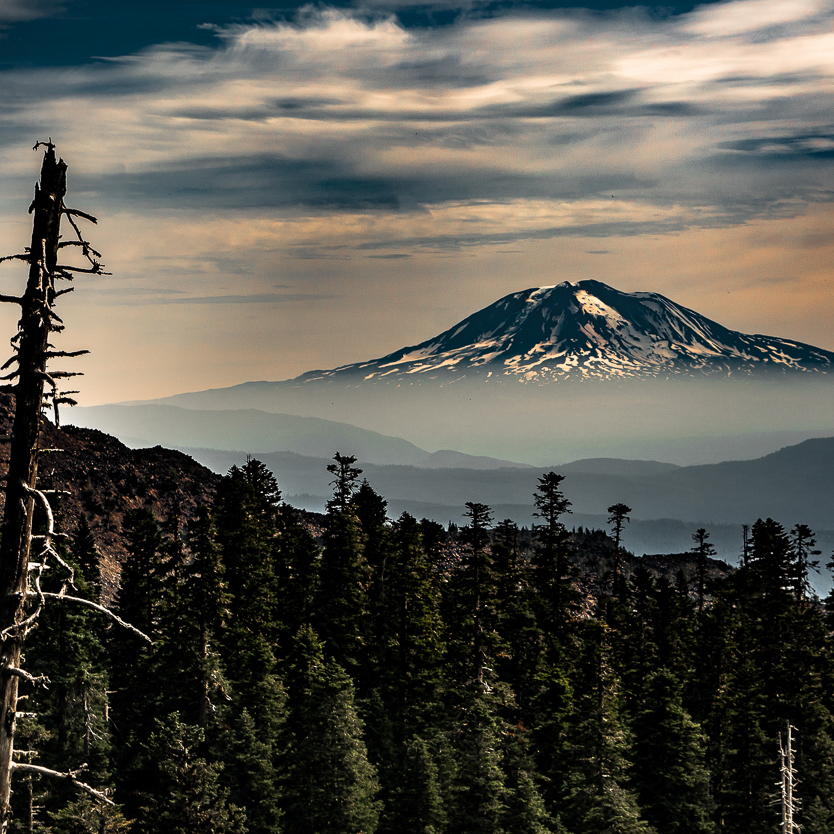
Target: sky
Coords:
[(297, 187)]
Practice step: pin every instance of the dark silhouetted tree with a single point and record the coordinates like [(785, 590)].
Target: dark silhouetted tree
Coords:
[(704, 550)]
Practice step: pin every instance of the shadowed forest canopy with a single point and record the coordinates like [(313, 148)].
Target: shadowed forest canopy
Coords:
[(350, 673)]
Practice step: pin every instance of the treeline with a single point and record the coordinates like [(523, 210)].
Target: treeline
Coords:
[(401, 678)]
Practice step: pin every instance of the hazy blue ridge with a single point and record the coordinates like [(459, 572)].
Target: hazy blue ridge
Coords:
[(248, 429)]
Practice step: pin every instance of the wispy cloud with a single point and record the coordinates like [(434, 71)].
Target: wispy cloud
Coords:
[(339, 112), (257, 298), (13, 11)]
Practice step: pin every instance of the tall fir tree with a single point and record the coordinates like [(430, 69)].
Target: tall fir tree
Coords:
[(471, 618), (479, 791), (183, 794), (669, 761), (704, 550), (330, 786), (553, 569), (519, 658), (595, 773), (342, 604)]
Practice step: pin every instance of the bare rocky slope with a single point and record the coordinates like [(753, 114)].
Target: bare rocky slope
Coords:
[(105, 479)]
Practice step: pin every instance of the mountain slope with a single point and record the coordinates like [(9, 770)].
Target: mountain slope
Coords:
[(586, 330), (102, 480)]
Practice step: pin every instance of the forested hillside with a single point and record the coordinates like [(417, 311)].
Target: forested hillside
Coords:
[(349, 673)]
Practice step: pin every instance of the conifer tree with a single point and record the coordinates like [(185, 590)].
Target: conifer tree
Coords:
[(263, 484), (674, 634), (553, 570), (434, 538), (705, 550), (596, 792), (669, 761), (72, 708), (252, 753), (619, 514), (771, 560), (135, 692), (205, 599), (475, 589), (330, 787), (249, 524), (479, 790), (176, 662), (184, 795), (370, 509), (86, 554), (342, 603), (142, 574), (525, 811), (297, 566), (344, 482), (409, 631), (521, 643), (246, 529), (85, 815), (417, 804), (803, 544), (744, 767)]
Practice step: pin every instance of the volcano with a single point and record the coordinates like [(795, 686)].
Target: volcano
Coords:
[(585, 330)]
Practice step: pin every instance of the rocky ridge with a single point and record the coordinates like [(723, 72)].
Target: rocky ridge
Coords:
[(105, 479)]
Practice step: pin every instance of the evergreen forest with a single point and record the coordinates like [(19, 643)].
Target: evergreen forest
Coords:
[(362, 675)]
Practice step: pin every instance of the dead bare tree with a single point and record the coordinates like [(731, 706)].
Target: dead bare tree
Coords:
[(37, 387), (787, 783)]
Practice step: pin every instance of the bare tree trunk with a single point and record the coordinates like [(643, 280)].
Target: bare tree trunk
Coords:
[(36, 323), (204, 706)]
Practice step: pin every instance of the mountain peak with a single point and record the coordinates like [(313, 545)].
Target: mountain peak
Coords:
[(586, 330)]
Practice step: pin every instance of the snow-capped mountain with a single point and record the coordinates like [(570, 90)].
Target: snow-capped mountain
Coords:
[(585, 330)]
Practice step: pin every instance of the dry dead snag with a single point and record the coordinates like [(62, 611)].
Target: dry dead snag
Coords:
[(37, 388)]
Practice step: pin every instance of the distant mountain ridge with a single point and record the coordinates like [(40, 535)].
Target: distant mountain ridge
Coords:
[(585, 330), (793, 485), (255, 431)]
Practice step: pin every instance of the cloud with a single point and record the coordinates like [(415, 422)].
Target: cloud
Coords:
[(132, 296), (362, 162), (259, 298), (784, 147), (744, 16), (14, 11), (336, 111)]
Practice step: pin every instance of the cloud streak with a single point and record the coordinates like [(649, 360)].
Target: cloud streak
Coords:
[(14, 11), (337, 112)]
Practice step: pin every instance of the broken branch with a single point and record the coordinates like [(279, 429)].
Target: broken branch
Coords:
[(43, 680), (70, 213), (99, 608), (69, 776)]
